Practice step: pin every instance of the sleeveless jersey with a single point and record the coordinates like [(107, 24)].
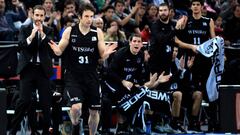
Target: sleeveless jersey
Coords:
[(198, 31), (82, 52)]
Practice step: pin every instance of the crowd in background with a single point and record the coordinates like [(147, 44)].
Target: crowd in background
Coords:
[(133, 16), (120, 19)]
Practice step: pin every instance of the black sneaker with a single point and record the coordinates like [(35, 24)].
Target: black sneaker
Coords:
[(177, 126), (194, 126)]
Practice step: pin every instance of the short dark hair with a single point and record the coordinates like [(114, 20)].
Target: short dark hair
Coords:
[(201, 2), (235, 7), (69, 2), (134, 35), (39, 7), (84, 7), (108, 7), (119, 1), (164, 4)]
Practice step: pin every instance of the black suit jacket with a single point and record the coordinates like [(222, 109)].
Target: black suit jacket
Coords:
[(27, 51)]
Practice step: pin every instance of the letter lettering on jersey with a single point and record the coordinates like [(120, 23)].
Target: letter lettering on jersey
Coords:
[(83, 49), (196, 32), (129, 69)]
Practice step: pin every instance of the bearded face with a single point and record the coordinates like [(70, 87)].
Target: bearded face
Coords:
[(164, 13)]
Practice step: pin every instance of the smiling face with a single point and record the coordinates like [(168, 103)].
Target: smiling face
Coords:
[(135, 44)]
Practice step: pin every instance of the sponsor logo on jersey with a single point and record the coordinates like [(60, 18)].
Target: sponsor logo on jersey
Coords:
[(73, 40), (83, 49), (168, 48), (204, 24), (73, 35), (126, 69), (94, 38), (127, 60)]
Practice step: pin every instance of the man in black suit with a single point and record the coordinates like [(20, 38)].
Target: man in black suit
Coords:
[(35, 69)]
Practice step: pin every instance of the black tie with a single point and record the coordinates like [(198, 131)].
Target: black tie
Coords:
[(35, 55)]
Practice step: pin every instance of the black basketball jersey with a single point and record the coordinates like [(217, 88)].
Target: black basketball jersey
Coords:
[(161, 49), (82, 52), (197, 31), (126, 66)]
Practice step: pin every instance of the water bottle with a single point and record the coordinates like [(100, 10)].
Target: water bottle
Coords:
[(148, 127)]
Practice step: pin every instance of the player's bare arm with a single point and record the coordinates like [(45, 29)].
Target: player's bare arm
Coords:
[(58, 49)]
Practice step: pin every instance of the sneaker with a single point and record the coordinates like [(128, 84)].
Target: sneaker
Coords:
[(176, 125), (169, 129), (164, 129), (158, 129), (195, 126)]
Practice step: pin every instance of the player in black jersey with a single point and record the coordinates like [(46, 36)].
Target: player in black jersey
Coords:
[(161, 51), (198, 29), (162, 42), (125, 73), (83, 45)]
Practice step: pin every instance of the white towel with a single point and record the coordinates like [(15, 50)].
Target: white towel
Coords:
[(214, 48)]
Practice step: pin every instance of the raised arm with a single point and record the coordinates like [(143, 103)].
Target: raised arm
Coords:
[(58, 49)]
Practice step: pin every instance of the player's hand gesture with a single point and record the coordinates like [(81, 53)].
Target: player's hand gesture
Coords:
[(164, 78), (110, 49)]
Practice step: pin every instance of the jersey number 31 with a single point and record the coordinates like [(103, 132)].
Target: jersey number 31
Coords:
[(83, 60)]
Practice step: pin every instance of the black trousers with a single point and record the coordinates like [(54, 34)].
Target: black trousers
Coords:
[(32, 78)]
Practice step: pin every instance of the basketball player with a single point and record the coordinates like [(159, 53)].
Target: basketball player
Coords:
[(83, 45), (198, 29)]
